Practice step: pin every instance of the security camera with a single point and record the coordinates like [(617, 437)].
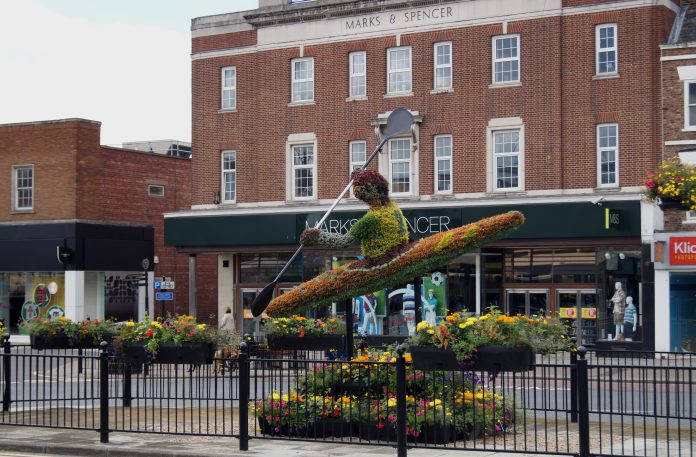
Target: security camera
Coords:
[(598, 201)]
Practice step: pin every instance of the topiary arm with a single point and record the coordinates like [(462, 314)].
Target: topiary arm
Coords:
[(316, 237), (366, 228)]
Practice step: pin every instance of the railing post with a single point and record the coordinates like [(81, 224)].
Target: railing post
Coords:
[(127, 384), (583, 404), (7, 369), (79, 360), (244, 375), (401, 403), (349, 329), (573, 383), (104, 393)]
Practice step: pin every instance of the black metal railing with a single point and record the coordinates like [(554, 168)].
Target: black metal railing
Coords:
[(585, 403)]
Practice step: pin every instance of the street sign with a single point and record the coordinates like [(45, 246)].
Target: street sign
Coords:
[(157, 285), (164, 296), (163, 285)]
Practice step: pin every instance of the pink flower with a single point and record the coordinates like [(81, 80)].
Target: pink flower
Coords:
[(649, 184)]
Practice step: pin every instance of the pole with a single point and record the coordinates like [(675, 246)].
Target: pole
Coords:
[(573, 383), (7, 369), (147, 293), (583, 404), (104, 393), (244, 381), (127, 385), (401, 403), (418, 298), (349, 328)]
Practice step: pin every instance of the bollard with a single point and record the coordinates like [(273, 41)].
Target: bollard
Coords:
[(583, 404), (401, 403), (573, 382), (104, 393), (244, 375), (7, 369)]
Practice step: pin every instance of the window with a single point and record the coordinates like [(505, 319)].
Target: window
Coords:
[(605, 43), (303, 171), (690, 104), (607, 155), (303, 80), (399, 70), (357, 157), (229, 88), (358, 74), (506, 59), (155, 190), (400, 165), (229, 176), (443, 164), (506, 153), (23, 183), (443, 66)]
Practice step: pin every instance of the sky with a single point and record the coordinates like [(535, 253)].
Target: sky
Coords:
[(125, 63)]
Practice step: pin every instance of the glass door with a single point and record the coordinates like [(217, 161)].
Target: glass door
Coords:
[(579, 308), (527, 302), (250, 325)]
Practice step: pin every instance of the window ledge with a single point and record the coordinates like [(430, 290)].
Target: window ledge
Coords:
[(449, 90), (358, 98), (689, 129), (606, 76), (22, 211), (689, 221), (503, 85), (227, 110), (506, 194), (302, 103), (607, 189), (228, 204), (399, 94)]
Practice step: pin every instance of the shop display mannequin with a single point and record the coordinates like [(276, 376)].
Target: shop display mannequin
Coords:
[(619, 301), (630, 319), (430, 307)]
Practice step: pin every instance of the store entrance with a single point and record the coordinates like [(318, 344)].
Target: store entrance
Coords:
[(579, 308), (527, 302), (249, 324), (682, 312)]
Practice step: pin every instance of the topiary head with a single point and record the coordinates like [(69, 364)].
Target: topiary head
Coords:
[(370, 187)]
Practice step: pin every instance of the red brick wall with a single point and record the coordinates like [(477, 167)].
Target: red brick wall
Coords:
[(224, 41)]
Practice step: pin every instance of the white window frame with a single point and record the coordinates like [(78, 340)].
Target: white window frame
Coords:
[(495, 126), (439, 160), (355, 164), (687, 116), (16, 189), (297, 81), (391, 71), (599, 49), (603, 149), (155, 190), (353, 74), (409, 161), (298, 140), (496, 60), (436, 67), (230, 90), (225, 173)]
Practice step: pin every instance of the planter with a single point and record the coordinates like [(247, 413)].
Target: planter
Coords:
[(371, 431), (427, 358), (189, 353), (352, 388), (89, 343), (436, 434), (307, 343), (381, 341), (671, 203), (41, 342), (134, 353), (503, 358), (272, 430), (329, 427)]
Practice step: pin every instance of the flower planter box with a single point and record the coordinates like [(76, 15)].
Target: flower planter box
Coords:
[(329, 427), (436, 434), (134, 353), (352, 388), (371, 431), (89, 343), (189, 353), (428, 358), (671, 203), (307, 343), (272, 430), (41, 342), (502, 358)]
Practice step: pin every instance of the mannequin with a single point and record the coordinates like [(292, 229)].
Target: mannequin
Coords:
[(619, 301), (630, 319), (409, 309), (430, 307)]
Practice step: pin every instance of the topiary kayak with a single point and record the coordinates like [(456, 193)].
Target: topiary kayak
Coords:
[(419, 258)]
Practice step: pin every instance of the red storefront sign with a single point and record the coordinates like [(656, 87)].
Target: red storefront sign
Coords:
[(682, 250)]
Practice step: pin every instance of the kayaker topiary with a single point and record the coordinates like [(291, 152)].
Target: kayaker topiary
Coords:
[(381, 231)]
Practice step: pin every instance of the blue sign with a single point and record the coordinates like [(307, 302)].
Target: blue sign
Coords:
[(164, 296), (157, 285)]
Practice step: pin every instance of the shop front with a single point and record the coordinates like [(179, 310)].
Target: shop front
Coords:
[(564, 260)]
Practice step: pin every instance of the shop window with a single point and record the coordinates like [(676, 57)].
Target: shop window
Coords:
[(303, 80), (358, 75), (229, 88), (606, 47), (399, 70), (30, 295), (506, 59), (23, 188)]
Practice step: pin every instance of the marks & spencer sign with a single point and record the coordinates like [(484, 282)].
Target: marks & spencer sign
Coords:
[(682, 250)]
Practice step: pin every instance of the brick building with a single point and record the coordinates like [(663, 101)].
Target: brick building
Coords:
[(675, 274), (101, 206), (550, 108)]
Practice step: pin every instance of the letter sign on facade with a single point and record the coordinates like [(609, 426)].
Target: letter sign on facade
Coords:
[(682, 250)]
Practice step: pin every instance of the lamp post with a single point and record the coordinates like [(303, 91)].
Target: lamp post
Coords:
[(146, 264)]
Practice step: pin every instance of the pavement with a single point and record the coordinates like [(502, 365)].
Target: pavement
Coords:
[(48, 441)]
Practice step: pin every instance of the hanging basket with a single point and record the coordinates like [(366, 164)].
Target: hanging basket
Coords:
[(666, 203), (307, 343)]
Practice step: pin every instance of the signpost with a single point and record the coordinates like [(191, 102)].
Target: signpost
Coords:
[(164, 296), (162, 285)]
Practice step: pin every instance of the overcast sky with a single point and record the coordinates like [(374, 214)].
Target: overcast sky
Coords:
[(125, 63)]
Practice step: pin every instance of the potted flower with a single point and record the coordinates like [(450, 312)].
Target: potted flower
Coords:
[(493, 342), (298, 332), (173, 340), (89, 333), (673, 185)]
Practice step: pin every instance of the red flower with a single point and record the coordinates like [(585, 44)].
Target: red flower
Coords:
[(150, 332), (380, 425)]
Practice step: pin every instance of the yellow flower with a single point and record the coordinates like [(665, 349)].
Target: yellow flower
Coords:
[(201, 326), (130, 324), (156, 324), (431, 331), (391, 402), (483, 318), (408, 358), (423, 325), (275, 396)]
